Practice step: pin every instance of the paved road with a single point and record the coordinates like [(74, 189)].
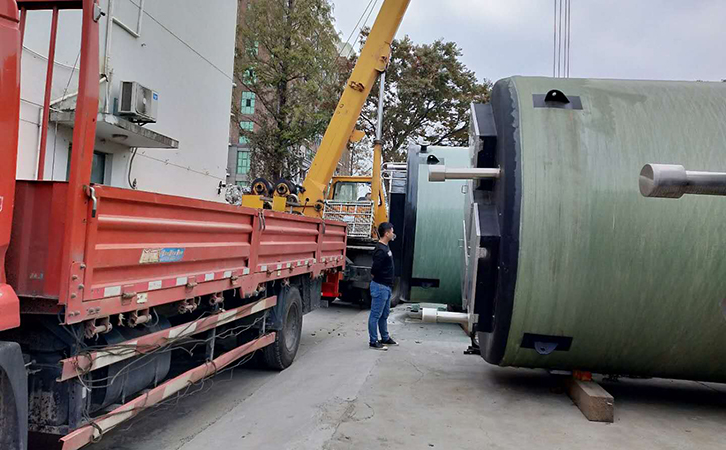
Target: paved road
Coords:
[(424, 394)]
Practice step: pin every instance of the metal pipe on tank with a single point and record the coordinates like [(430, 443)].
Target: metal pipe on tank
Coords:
[(432, 315), (443, 173), (673, 181)]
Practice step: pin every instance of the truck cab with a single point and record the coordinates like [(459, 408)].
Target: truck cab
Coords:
[(349, 200)]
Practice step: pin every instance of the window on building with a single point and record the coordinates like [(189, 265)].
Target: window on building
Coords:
[(98, 170), (243, 184), (98, 166), (245, 126), (248, 103), (249, 76), (243, 162)]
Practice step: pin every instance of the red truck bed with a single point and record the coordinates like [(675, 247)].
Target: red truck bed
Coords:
[(144, 249)]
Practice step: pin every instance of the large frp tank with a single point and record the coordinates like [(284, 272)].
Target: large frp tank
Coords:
[(567, 265), (433, 232)]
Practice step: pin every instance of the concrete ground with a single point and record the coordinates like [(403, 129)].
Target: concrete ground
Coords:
[(423, 394)]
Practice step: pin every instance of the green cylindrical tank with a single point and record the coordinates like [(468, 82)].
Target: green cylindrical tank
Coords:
[(575, 269), (434, 228)]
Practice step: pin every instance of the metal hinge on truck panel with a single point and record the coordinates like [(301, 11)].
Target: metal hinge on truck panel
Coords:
[(76, 285), (261, 214), (91, 192)]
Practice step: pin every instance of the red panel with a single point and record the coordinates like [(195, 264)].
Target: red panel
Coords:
[(139, 238), (144, 249), (286, 238), (9, 308), (334, 240), (9, 121), (37, 234), (9, 11), (331, 285)]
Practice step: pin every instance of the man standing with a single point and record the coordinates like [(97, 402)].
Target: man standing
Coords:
[(381, 286)]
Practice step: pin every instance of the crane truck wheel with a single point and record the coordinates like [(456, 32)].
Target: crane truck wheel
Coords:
[(280, 354), (261, 186), (285, 188)]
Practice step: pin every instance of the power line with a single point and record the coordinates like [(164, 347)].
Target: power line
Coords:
[(569, 34), (188, 168), (183, 42), (559, 45), (554, 42), (347, 41)]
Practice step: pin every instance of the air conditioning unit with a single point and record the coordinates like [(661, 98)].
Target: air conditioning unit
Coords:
[(138, 103)]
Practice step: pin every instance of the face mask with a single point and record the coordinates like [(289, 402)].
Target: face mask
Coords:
[(393, 238)]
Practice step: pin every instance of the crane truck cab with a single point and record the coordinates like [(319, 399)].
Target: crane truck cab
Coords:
[(349, 200)]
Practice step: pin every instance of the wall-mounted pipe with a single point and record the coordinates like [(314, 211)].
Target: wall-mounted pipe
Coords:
[(107, 56), (136, 34), (111, 19)]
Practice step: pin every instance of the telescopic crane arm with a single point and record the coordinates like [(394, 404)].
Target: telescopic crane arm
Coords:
[(373, 61)]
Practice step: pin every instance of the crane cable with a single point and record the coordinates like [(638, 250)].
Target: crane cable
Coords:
[(355, 28), (365, 23), (561, 43)]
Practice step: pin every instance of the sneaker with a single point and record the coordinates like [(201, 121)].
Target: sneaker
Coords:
[(389, 341), (378, 346)]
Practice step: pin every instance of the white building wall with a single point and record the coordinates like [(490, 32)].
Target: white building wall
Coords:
[(185, 52)]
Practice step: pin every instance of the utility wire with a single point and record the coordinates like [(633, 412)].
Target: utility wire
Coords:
[(561, 38), (569, 34), (347, 41), (186, 44)]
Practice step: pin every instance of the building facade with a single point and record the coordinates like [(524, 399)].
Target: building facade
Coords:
[(182, 51), (244, 109)]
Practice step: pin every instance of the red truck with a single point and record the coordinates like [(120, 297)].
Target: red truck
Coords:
[(98, 285)]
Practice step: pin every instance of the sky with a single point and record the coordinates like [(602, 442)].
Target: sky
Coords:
[(626, 39)]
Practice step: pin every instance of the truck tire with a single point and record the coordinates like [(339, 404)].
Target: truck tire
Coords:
[(280, 354), (13, 398)]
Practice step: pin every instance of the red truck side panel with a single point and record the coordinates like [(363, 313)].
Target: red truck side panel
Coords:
[(144, 249), (37, 233), (9, 121)]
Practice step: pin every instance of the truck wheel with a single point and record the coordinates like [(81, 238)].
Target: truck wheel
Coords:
[(280, 354), (13, 398)]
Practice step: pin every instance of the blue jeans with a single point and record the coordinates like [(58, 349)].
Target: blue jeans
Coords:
[(380, 308)]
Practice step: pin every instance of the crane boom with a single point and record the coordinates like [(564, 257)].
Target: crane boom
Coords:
[(373, 60)]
